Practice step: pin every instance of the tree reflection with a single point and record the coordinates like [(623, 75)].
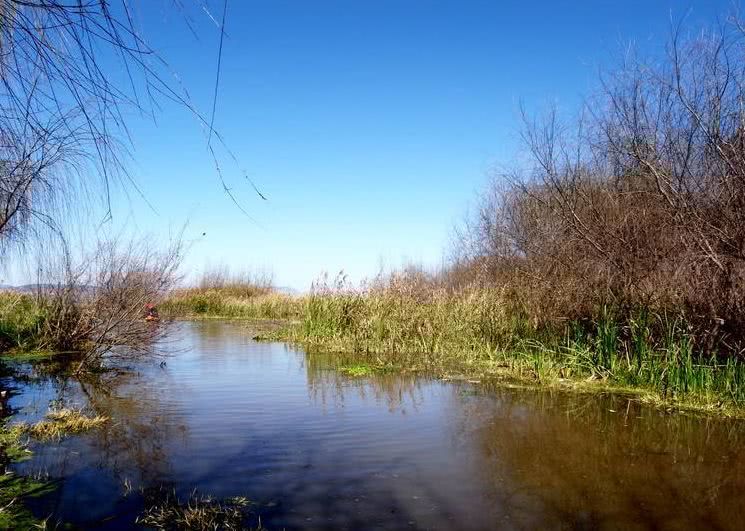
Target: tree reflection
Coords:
[(557, 460)]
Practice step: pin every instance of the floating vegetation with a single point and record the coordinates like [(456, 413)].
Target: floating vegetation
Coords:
[(61, 422), (199, 513), (357, 371)]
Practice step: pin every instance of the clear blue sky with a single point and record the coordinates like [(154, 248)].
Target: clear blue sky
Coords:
[(368, 124)]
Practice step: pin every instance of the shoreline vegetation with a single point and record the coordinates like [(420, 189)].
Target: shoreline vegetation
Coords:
[(402, 322)]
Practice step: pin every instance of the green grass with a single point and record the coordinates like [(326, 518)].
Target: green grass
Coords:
[(13, 490), (165, 511), (13, 447), (357, 371), (21, 321), (477, 334)]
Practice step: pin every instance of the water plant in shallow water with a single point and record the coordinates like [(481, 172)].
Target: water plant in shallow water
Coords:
[(13, 490), (12, 448), (166, 512), (60, 422), (357, 370), (475, 333)]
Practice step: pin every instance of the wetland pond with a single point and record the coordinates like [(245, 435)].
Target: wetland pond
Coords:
[(314, 448)]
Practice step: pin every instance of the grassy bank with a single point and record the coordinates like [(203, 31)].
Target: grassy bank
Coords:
[(21, 322), (475, 334)]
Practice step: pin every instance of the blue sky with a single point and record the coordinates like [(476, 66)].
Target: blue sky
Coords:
[(369, 125)]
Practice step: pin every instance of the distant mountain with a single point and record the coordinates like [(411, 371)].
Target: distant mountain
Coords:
[(32, 288)]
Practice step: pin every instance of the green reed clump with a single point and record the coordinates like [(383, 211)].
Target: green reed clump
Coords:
[(437, 329), (13, 491), (21, 321)]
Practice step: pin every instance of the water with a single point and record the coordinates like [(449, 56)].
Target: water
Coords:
[(315, 449)]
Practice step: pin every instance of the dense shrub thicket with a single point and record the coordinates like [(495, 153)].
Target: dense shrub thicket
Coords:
[(638, 205)]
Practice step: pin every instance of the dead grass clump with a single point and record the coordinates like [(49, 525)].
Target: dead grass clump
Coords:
[(199, 513), (61, 422)]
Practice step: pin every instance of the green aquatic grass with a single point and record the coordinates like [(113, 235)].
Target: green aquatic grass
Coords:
[(21, 321), (13, 490), (166, 512), (12, 443), (357, 371)]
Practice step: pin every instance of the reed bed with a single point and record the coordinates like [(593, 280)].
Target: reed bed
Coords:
[(21, 321), (481, 332), (226, 304), (478, 333)]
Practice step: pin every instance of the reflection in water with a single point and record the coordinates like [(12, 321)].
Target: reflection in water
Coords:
[(608, 462), (318, 449), (329, 387)]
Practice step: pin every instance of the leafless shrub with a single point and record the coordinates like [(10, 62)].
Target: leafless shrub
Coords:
[(97, 304), (638, 202), (71, 73)]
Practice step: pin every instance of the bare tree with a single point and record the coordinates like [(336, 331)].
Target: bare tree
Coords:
[(70, 75)]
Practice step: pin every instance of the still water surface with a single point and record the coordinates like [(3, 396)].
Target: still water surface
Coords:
[(315, 449)]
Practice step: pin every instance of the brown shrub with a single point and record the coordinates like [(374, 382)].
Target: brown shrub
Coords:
[(97, 305), (639, 202)]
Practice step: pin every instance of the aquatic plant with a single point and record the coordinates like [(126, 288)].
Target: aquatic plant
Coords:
[(357, 370), (61, 422), (12, 447), (198, 513), (13, 490)]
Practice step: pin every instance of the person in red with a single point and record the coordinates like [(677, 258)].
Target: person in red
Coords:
[(151, 312)]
